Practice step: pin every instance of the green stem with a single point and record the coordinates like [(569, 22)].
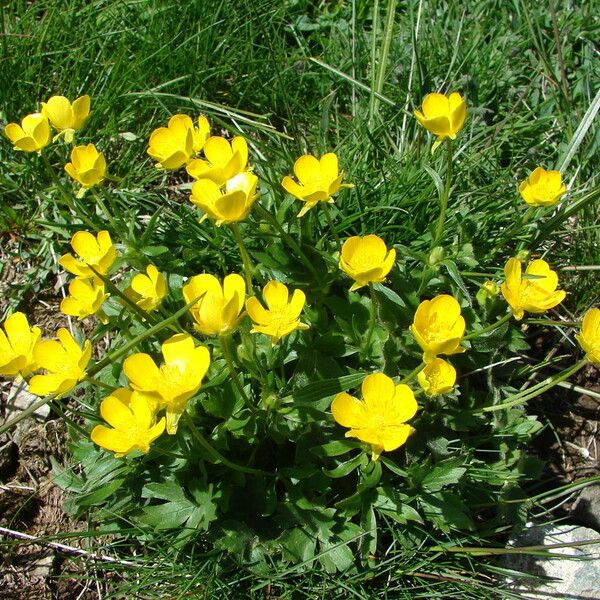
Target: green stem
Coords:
[(246, 261), (98, 196), (289, 240), (216, 454), (101, 384), (488, 328), (372, 320), (64, 194), (439, 230), (413, 373), (540, 388), (226, 350), (331, 225)]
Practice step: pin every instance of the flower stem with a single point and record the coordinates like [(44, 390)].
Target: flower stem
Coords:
[(101, 384), (216, 454), (246, 261), (488, 328), (439, 230), (98, 195), (372, 320), (331, 225), (528, 394), (413, 373), (226, 350), (68, 201)]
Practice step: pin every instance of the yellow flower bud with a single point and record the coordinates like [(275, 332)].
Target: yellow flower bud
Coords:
[(438, 327), (442, 115), (366, 260), (32, 135), (438, 377), (542, 188)]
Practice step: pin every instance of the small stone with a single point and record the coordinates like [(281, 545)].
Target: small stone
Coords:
[(19, 399), (587, 508), (574, 578)]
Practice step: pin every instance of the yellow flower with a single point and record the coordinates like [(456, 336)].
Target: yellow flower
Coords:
[(366, 259), (442, 115), (173, 146), (282, 316), (85, 298), (542, 188), (318, 180), (224, 160), (16, 346), (536, 293), (97, 252), (176, 381), (589, 336), (229, 205), (380, 419), (65, 362), (87, 166), (134, 422), (490, 288), (438, 377), (438, 327), (148, 291), (32, 135), (67, 117), (218, 310)]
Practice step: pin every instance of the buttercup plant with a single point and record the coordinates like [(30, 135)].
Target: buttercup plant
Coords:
[(228, 407)]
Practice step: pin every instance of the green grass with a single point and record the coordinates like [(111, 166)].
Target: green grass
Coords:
[(295, 77)]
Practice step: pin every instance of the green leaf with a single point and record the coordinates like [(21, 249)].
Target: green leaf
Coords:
[(297, 545), (318, 390), (346, 467), (458, 280), (335, 555), (335, 448), (446, 511), (441, 475)]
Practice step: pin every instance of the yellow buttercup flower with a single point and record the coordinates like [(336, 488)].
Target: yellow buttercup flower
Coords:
[(87, 166), (217, 312), (16, 346), (366, 259), (318, 180), (224, 160), (133, 422), (67, 117), (85, 298), (176, 381), (148, 291), (282, 315), (380, 419), (173, 146), (97, 252), (542, 188), (438, 377), (438, 327), (31, 135), (442, 115), (534, 293), (65, 362), (229, 205), (589, 336)]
